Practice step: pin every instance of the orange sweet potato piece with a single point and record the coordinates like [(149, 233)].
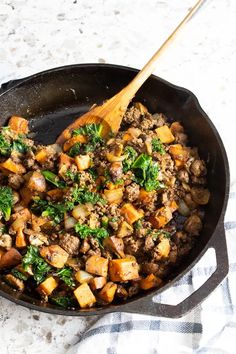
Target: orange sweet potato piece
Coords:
[(97, 283), (72, 141), (84, 296), (54, 255), (173, 205), (18, 124), (124, 230), (20, 239), (108, 292), (97, 265), (65, 160), (165, 135), (146, 197), (56, 194), (10, 259), (123, 269), (41, 156), (161, 217), (12, 166), (151, 281), (130, 213), (47, 286), (26, 195)]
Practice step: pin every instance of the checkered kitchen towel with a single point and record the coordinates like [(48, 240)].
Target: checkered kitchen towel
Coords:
[(209, 328)]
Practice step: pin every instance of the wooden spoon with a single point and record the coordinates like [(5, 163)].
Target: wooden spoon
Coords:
[(110, 113)]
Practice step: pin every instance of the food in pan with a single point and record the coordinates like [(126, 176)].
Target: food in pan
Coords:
[(98, 221)]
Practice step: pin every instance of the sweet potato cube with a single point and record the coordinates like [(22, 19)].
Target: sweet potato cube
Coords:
[(97, 265), (130, 213), (54, 255), (151, 281), (65, 160), (124, 230), (20, 239), (146, 197), (12, 166), (173, 206), (165, 135), (123, 269), (83, 162), (108, 292), (115, 245), (97, 283), (127, 137), (56, 194), (72, 141), (41, 156), (47, 286), (84, 296), (178, 152), (18, 124), (161, 217)]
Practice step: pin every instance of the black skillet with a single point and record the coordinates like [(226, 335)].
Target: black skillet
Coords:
[(52, 99)]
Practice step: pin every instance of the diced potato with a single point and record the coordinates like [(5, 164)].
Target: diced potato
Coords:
[(10, 258), (37, 182), (72, 141), (81, 211), (108, 292), (134, 132), (97, 265), (114, 195), (47, 286), (54, 255), (161, 217), (15, 282), (83, 162), (20, 239), (130, 213), (123, 269), (70, 223), (18, 124), (41, 156), (164, 247), (146, 197), (12, 166), (151, 281), (124, 230), (97, 283), (115, 245), (26, 195), (84, 296), (165, 135), (23, 214), (83, 277), (37, 222)]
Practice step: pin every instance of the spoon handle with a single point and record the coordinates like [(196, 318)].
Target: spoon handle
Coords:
[(148, 69)]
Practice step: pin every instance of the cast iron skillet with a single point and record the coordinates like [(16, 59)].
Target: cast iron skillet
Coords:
[(52, 99)]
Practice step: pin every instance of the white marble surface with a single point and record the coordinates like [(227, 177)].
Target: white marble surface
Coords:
[(37, 35)]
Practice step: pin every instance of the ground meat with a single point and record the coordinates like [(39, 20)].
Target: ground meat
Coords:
[(137, 144), (183, 176), (95, 247), (133, 289), (189, 201), (84, 247), (132, 115), (106, 253), (15, 181), (148, 243), (198, 180), (132, 246), (29, 160), (193, 225), (121, 292), (198, 168), (160, 119), (149, 267), (70, 244), (132, 192), (86, 180), (147, 123), (143, 230), (181, 138)]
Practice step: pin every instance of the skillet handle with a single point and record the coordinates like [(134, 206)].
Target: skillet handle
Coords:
[(148, 307)]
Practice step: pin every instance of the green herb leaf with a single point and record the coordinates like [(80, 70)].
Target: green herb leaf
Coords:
[(82, 196), (53, 178), (6, 202), (157, 146), (138, 225), (5, 146), (146, 173), (93, 133), (158, 233), (74, 176), (63, 301), (131, 155), (20, 146), (39, 266), (84, 231), (18, 274), (66, 275), (75, 150), (55, 211)]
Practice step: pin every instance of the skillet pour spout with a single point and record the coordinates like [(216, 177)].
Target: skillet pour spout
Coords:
[(51, 100)]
